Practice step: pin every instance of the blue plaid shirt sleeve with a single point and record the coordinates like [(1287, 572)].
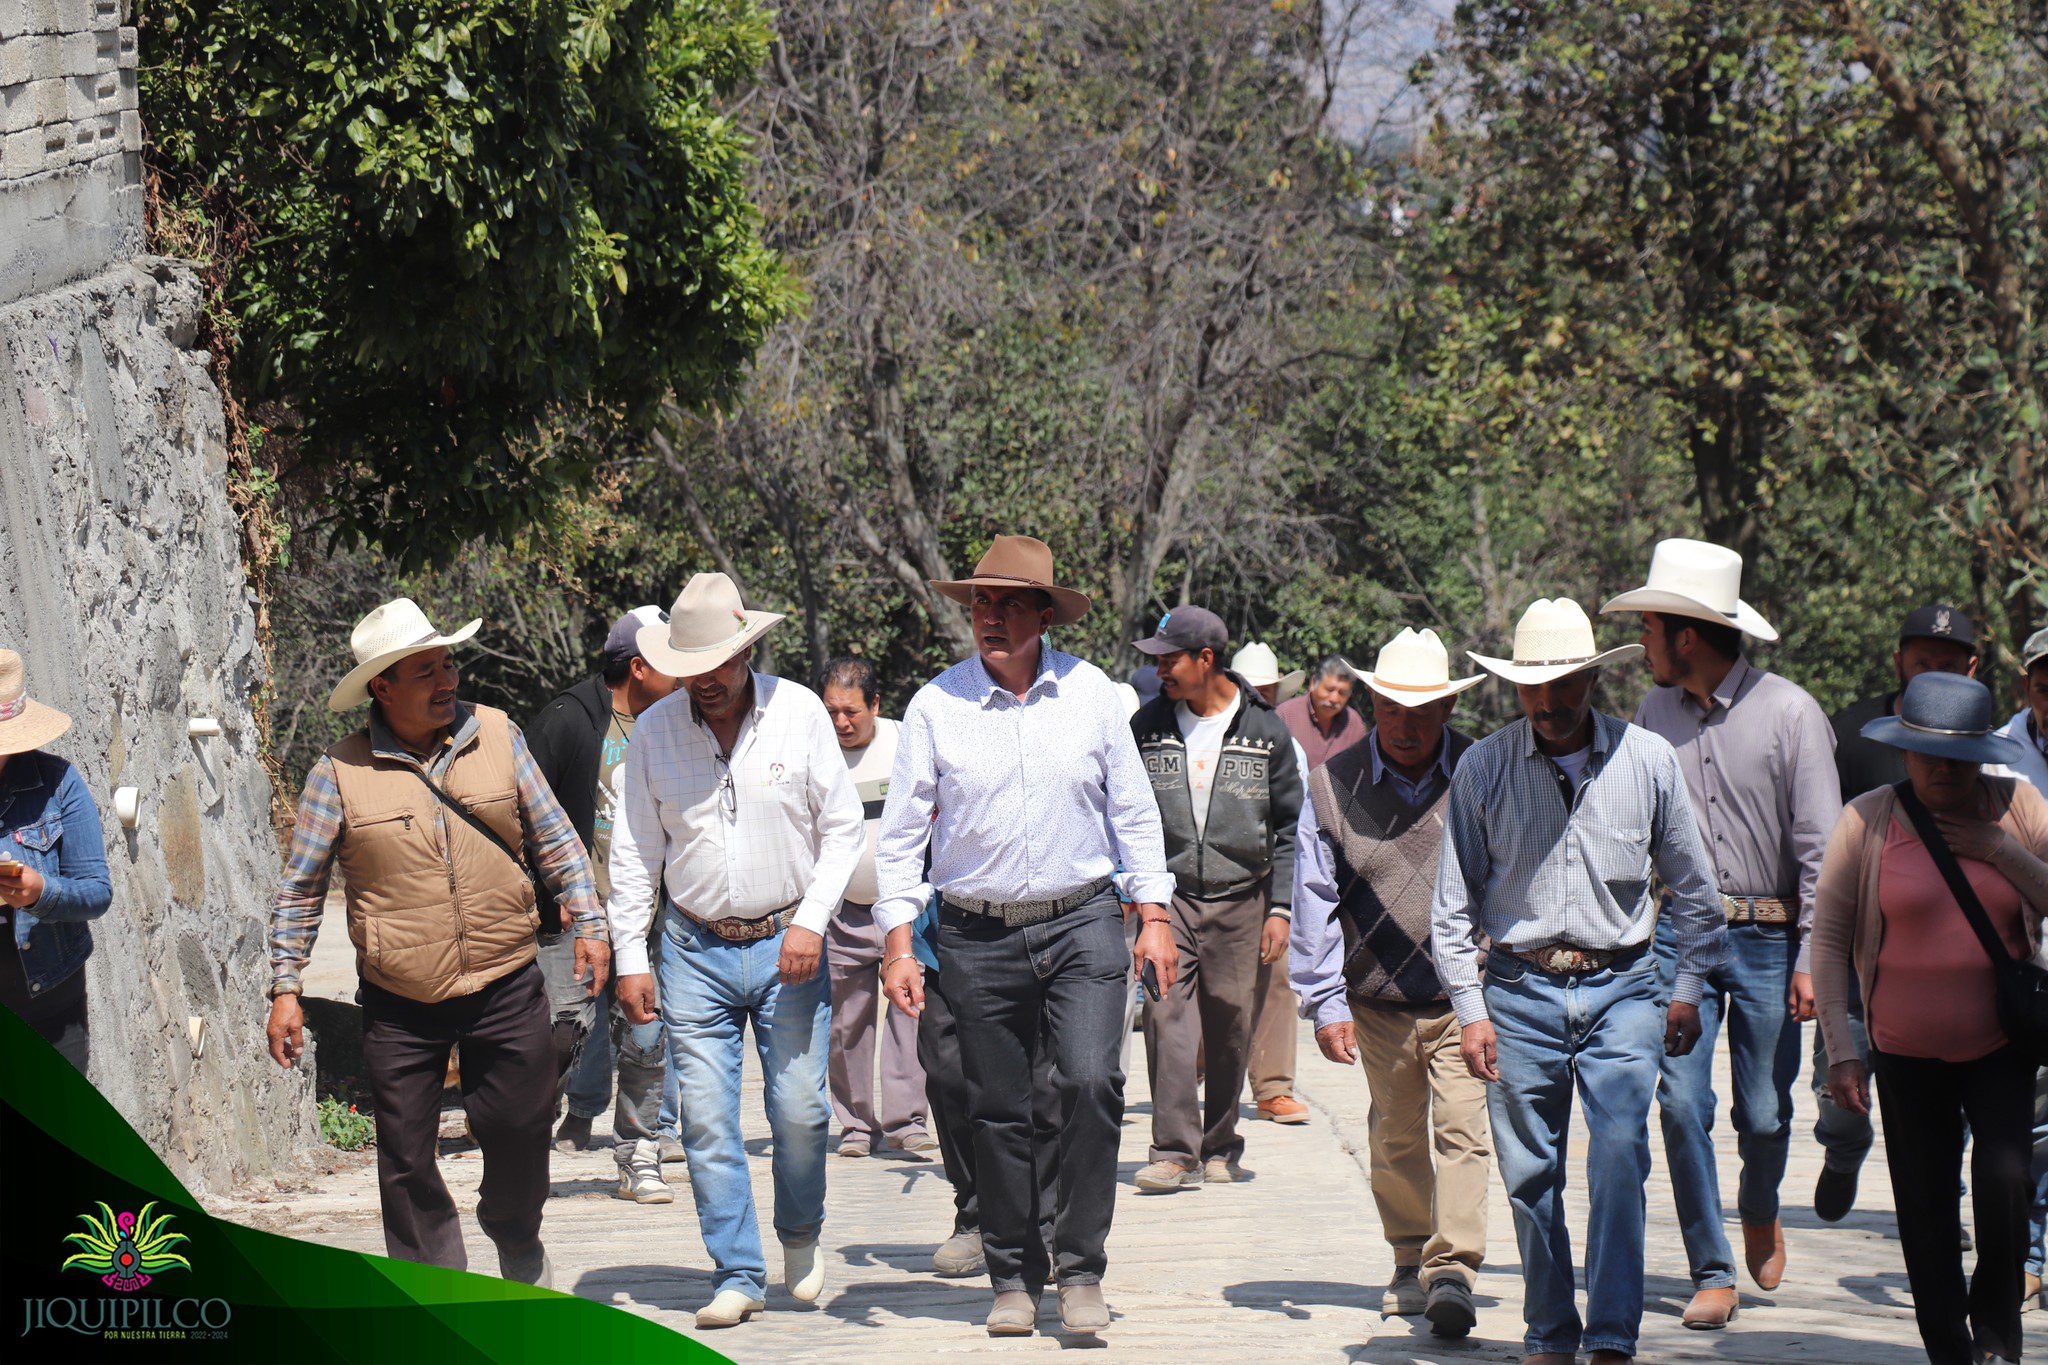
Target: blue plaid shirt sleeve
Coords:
[(302, 887), (551, 842)]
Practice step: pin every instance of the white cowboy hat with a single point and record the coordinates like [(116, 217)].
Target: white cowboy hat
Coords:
[(1554, 639), (1414, 669), (708, 625), (1258, 665), (24, 724), (1699, 580), (381, 639)]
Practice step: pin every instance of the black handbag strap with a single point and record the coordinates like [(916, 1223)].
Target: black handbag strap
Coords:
[(1952, 872), (469, 818)]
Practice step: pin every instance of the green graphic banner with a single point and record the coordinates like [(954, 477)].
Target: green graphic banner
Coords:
[(108, 1257)]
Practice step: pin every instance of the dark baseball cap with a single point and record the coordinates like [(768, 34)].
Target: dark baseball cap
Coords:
[(1190, 628), (1939, 622), (624, 640)]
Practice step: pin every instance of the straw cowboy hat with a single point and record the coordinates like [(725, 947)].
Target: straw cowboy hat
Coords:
[(1414, 669), (1693, 578), (1949, 716), (1017, 562), (24, 724), (1554, 639), (1258, 665), (381, 639), (708, 625)]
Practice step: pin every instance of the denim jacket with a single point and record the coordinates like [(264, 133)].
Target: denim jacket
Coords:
[(48, 820)]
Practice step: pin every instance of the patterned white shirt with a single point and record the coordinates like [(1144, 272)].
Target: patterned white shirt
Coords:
[(1017, 800), (777, 824), (1527, 864)]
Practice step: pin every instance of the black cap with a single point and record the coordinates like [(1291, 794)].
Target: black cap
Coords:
[(1939, 622), (1189, 628)]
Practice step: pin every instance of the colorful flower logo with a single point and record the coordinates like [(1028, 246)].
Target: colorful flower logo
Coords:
[(127, 1250)]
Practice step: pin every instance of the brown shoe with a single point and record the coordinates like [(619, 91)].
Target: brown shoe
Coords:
[(1710, 1310), (1283, 1109), (1763, 1246)]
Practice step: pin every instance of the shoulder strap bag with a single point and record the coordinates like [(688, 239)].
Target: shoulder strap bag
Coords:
[(2022, 986), (469, 818)]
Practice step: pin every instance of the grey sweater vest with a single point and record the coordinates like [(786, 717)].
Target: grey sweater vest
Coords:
[(1386, 858)]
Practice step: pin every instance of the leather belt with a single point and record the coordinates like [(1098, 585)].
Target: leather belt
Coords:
[(1568, 959), (1017, 914), (1759, 910), (743, 930)]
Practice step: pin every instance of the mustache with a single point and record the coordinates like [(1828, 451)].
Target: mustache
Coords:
[(1553, 717)]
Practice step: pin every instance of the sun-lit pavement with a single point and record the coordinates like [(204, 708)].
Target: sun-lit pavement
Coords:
[(1290, 1261)]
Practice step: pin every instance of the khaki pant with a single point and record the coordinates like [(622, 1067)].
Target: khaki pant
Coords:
[(1197, 1032), (1274, 1018), (1433, 1215)]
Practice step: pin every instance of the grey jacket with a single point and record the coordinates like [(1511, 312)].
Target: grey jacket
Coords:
[(1253, 804)]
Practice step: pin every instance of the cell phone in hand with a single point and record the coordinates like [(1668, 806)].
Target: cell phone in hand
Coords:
[(1148, 977)]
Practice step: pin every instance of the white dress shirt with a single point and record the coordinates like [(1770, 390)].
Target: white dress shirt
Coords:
[(776, 825), (1018, 800)]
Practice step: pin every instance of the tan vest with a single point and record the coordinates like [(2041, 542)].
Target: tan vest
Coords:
[(430, 924)]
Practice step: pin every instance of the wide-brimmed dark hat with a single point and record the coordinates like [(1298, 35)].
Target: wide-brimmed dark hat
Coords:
[(1949, 716)]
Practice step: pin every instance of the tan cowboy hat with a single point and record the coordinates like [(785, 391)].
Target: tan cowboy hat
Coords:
[(709, 625), (1414, 669), (24, 724), (1013, 562), (1554, 639), (381, 639), (1695, 579), (1258, 665)]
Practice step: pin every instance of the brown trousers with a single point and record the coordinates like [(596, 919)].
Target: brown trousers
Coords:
[(1433, 1214), (1198, 1033), (1273, 1032)]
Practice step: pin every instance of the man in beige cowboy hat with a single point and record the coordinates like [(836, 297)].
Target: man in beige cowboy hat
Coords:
[(1759, 764), (1366, 858), (1016, 770), (1557, 823), (737, 817), (53, 870), (433, 810)]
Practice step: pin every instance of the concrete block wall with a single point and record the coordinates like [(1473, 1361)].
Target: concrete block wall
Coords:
[(70, 142)]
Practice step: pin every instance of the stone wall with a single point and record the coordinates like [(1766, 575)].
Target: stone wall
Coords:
[(125, 594)]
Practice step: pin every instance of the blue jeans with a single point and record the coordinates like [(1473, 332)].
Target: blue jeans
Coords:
[(1748, 992), (711, 990), (1603, 1030), (1845, 1138)]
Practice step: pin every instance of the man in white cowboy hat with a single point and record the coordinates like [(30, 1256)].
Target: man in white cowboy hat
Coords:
[(1759, 762), (1557, 823), (433, 811), (1229, 791), (1017, 771), (1367, 853), (1258, 665), (53, 871), (739, 820)]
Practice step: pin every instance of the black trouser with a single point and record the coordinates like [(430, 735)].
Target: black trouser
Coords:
[(508, 1073), (945, 1084), (1925, 1104), (1020, 994)]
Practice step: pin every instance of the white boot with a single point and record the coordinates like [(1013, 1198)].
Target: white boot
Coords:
[(727, 1309), (803, 1271)]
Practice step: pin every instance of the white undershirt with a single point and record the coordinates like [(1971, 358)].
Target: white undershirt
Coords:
[(1204, 738), (1573, 766)]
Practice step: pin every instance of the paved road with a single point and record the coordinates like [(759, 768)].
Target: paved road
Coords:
[(1289, 1261)]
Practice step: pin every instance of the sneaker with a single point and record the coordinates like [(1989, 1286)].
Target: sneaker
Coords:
[(1404, 1296), (573, 1135), (1162, 1176), (1449, 1308), (960, 1254), (1834, 1194), (532, 1268), (856, 1144), (1283, 1109), (1218, 1170), (641, 1183), (672, 1149)]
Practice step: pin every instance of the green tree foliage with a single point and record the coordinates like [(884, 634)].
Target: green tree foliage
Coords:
[(459, 231)]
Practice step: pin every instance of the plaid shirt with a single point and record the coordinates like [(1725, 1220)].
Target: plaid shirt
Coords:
[(1530, 861), (551, 843)]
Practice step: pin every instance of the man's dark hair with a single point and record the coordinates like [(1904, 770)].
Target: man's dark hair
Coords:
[(617, 665), (1724, 640), (1335, 667), (849, 671)]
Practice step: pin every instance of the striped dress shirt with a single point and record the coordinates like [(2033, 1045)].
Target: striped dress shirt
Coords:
[(1529, 863)]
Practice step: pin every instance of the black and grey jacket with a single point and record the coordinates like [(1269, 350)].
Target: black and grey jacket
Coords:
[(1253, 803)]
